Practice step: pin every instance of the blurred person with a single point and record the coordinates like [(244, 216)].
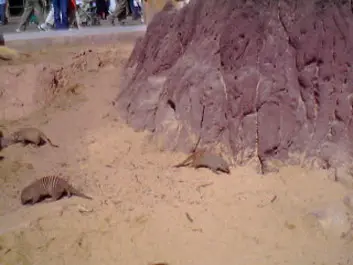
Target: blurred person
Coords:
[(49, 21), (2, 12), (102, 8), (61, 9), (33, 19), (112, 6), (72, 15), (120, 12), (7, 12), (135, 6), (31, 6)]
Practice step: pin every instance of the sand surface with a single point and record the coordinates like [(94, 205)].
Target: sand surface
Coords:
[(143, 211)]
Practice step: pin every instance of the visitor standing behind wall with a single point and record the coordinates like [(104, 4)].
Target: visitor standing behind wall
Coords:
[(2, 12), (30, 7), (135, 7), (61, 19), (7, 12), (120, 12), (49, 21)]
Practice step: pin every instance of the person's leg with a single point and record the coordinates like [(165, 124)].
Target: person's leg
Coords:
[(64, 6), (7, 12), (78, 20), (2, 13), (38, 10), (127, 9), (132, 8), (34, 18), (28, 9), (100, 8), (57, 17), (50, 18), (121, 13), (49, 21), (106, 8), (113, 15)]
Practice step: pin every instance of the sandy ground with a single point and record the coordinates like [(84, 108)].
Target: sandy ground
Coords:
[(144, 211)]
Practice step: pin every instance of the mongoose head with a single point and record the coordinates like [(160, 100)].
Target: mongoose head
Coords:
[(27, 195), (5, 142), (224, 167), (15, 137)]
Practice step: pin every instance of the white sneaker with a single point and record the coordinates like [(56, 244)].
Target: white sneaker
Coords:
[(18, 30)]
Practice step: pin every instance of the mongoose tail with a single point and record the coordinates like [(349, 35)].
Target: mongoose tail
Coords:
[(191, 158), (72, 191), (186, 161), (46, 138)]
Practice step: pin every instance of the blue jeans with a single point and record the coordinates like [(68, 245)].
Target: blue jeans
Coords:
[(2, 13), (61, 20), (136, 10)]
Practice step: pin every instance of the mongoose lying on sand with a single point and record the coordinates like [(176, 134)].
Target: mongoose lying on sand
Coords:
[(30, 135), (4, 142), (49, 186), (206, 159)]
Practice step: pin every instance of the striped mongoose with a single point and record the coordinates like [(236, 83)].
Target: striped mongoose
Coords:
[(30, 135), (49, 186), (203, 158), (4, 142)]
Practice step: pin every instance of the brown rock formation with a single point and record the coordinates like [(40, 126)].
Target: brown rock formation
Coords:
[(236, 71)]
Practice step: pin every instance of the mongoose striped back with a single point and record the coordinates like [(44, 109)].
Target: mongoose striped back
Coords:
[(52, 186)]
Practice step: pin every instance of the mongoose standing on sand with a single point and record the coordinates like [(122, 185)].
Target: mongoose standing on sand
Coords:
[(49, 186), (30, 135), (203, 158)]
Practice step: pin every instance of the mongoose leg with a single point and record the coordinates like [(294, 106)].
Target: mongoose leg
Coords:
[(68, 193), (56, 196), (215, 171), (35, 199)]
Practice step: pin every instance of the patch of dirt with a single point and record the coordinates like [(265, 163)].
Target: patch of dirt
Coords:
[(144, 210), (31, 86)]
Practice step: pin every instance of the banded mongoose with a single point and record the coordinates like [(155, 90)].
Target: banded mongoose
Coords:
[(30, 135), (203, 158), (49, 186), (4, 142)]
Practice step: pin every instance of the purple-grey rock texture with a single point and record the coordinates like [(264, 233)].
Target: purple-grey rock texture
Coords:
[(261, 78)]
